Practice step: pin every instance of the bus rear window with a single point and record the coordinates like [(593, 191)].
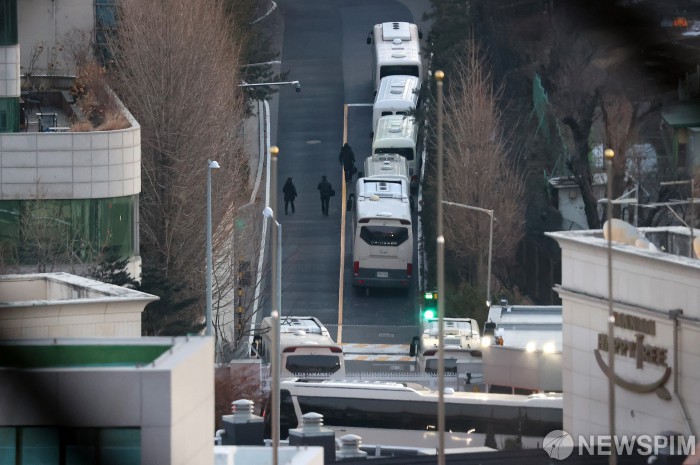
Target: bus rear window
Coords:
[(391, 236), (407, 153), (403, 70), (431, 366), (312, 363)]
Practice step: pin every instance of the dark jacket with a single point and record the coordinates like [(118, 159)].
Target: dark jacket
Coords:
[(325, 187), (290, 192), (346, 156)]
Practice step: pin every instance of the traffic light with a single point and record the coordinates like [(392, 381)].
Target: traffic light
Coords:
[(430, 303)]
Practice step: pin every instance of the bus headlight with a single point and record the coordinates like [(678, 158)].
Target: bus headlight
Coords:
[(486, 341)]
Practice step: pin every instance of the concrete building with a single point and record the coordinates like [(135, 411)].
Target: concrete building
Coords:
[(86, 183), (127, 401), (63, 305), (655, 294)]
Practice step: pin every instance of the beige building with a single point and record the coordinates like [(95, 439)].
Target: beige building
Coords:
[(135, 401), (63, 305), (656, 291)]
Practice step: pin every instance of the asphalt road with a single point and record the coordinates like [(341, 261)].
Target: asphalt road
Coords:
[(324, 47)]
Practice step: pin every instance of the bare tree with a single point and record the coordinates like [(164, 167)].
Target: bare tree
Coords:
[(479, 171), (175, 67)]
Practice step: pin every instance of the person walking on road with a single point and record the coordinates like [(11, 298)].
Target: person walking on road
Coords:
[(290, 193), (327, 192), (347, 159)]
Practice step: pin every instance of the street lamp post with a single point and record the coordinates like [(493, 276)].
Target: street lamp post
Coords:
[(211, 164), (296, 84), (270, 212), (609, 155), (439, 76), (490, 213)]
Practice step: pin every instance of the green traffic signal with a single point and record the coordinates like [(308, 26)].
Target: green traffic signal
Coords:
[(429, 305)]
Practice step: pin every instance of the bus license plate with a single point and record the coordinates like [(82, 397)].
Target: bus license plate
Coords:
[(382, 274)]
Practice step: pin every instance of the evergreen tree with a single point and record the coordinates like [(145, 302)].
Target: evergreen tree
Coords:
[(174, 314), (111, 269)]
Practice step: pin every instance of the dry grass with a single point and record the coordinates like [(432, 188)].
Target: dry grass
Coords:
[(81, 126), (113, 121), (93, 97)]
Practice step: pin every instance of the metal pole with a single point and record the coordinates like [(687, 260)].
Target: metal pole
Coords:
[(275, 359), (439, 76), (488, 278), (275, 388), (609, 155), (692, 215), (279, 269), (210, 164), (490, 213)]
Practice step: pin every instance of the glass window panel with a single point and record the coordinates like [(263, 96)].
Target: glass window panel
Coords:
[(40, 446), (120, 446), (8, 444)]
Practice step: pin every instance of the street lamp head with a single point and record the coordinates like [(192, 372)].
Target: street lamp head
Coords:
[(439, 75), (297, 86), (274, 150), (609, 154), (268, 213), (213, 164)]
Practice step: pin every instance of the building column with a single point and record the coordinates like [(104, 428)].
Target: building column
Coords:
[(9, 67)]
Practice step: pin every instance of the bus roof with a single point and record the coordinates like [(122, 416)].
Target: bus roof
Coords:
[(300, 330), (383, 197), (397, 42), (391, 128), (398, 89), (409, 391)]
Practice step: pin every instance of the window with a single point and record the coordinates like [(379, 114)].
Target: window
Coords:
[(431, 365), (312, 363), (8, 445), (404, 70), (391, 236), (70, 446), (51, 230)]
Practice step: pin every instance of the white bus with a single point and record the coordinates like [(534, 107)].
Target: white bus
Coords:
[(405, 414), (395, 51), (306, 347), (399, 134), (462, 346), (382, 249), (397, 95)]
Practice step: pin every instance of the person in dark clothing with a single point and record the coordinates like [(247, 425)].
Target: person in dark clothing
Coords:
[(290, 193), (326, 191), (347, 159)]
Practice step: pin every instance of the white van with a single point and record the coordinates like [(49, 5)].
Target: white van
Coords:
[(399, 134), (396, 51), (397, 95), (382, 249)]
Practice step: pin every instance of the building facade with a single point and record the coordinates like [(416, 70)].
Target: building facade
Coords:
[(104, 401), (65, 197), (655, 296)]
